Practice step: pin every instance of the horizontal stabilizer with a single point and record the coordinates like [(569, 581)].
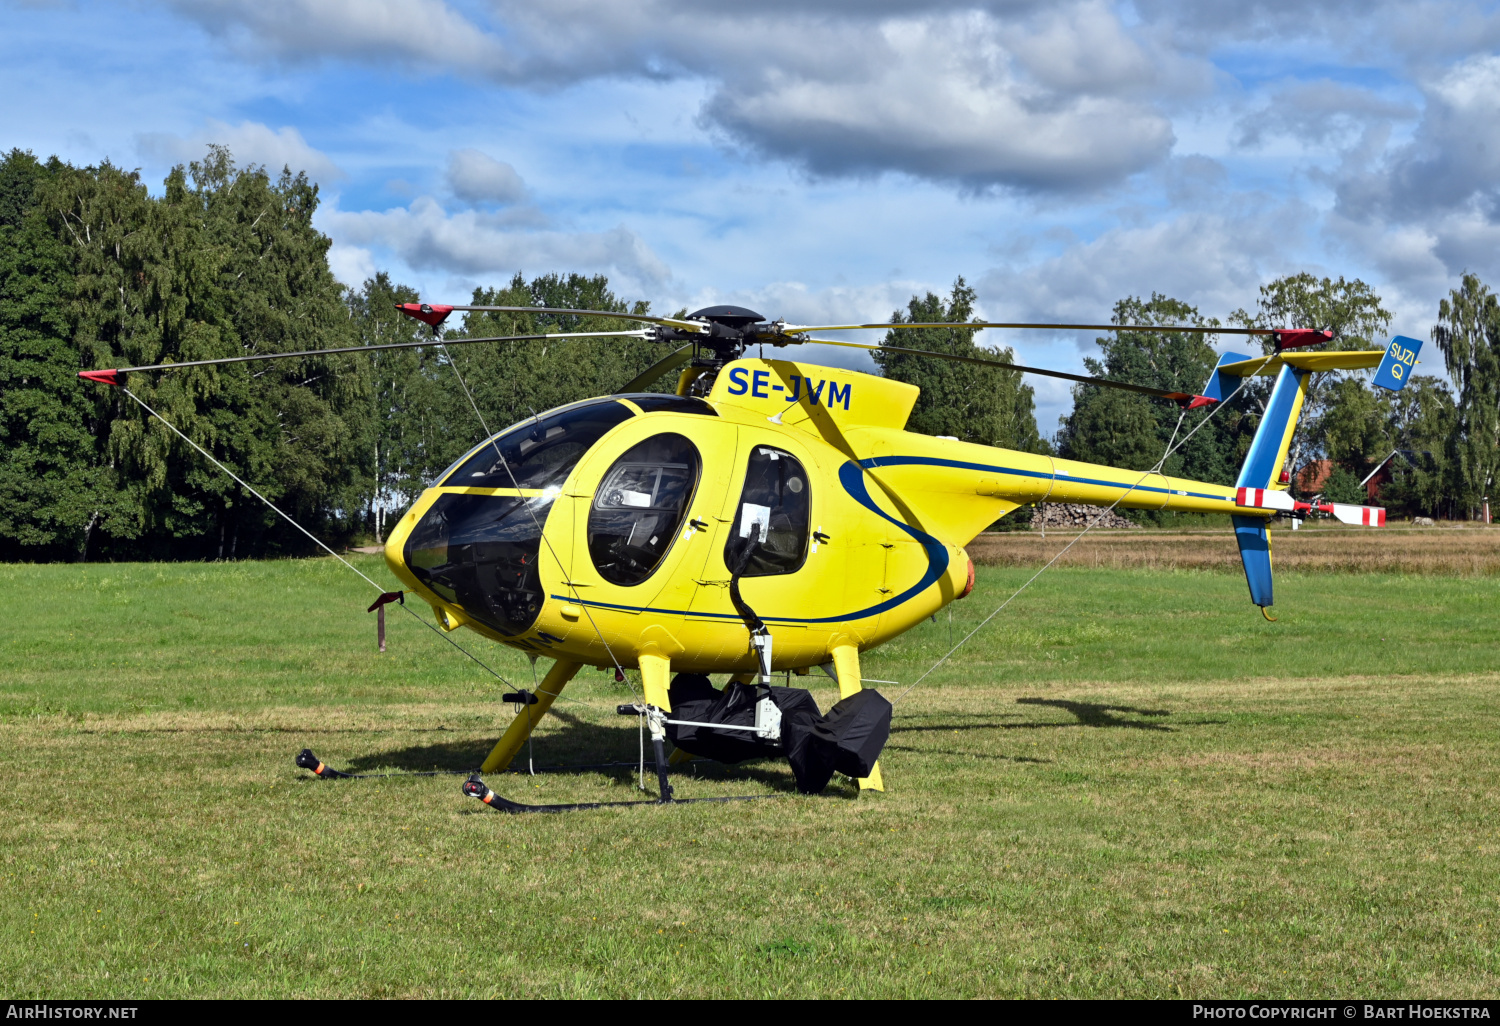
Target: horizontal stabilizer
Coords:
[(1264, 498), (1340, 359)]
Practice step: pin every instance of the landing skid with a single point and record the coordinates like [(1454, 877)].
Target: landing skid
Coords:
[(308, 761), (474, 787)]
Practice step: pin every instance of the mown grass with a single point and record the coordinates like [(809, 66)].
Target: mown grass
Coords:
[(1128, 784)]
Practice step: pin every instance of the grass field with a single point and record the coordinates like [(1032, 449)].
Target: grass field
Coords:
[(1129, 784)]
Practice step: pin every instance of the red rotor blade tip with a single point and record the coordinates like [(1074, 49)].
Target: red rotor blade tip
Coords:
[(426, 313), (1296, 338), (104, 377), (1188, 401)]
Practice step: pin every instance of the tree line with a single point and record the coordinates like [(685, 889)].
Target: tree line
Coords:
[(97, 272)]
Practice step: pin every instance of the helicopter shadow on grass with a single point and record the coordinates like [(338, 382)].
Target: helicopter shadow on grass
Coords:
[(962, 755), (579, 743), (1088, 714)]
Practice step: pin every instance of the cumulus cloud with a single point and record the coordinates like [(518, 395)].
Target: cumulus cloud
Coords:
[(1321, 112), (1369, 30), (477, 178), (1453, 161), (1063, 98), (351, 265), (796, 302), (251, 143), (424, 236), (1215, 259), (427, 32), (948, 104), (1023, 95), (1426, 210)]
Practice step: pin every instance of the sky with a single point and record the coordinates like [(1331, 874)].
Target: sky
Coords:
[(820, 161)]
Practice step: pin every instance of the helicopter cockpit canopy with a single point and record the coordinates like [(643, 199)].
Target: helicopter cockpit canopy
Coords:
[(541, 451), (481, 552)]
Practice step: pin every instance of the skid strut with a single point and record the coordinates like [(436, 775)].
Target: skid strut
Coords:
[(656, 722)]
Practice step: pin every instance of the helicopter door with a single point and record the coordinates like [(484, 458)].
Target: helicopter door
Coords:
[(765, 536), (639, 531), (770, 532)]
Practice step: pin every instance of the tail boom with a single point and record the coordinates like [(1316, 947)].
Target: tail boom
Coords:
[(957, 489)]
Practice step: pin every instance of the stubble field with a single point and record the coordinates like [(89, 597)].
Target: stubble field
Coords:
[(1129, 783)]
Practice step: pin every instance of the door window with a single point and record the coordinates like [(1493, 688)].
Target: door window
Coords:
[(639, 507), (770, 528)]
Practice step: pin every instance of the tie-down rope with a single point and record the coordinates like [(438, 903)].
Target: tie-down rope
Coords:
[(1089, 527), (318, 541)]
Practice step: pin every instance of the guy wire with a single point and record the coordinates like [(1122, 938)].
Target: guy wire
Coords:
[(318, 541), (1089, 527), (495, 444)]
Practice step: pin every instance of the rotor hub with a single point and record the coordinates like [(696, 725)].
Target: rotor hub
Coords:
[(736, 318), (730, 330)]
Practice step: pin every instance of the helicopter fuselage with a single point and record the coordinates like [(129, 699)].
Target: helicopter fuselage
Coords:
[(608, 532)]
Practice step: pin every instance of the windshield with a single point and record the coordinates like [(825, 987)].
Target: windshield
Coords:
[(481, 553), (541, 451)]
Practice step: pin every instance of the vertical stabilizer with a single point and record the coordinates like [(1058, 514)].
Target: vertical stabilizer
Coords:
[(1262, 470), (1268, 449), (1253, 535)]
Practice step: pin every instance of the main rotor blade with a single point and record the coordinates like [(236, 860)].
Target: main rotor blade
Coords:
[(799, 329), (648, 376), (1186, 400), (101, 375), (434, 314)]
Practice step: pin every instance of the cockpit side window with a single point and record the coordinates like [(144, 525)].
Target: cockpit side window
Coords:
[(770, 529), (639, 507), (539, 452)]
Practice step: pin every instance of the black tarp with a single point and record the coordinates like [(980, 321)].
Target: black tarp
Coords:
[(847, 740)]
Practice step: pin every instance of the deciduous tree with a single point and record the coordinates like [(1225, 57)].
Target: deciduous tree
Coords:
[(1468, 334), (986, 405)]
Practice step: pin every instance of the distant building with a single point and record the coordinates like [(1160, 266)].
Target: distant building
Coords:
[(1313, 475)]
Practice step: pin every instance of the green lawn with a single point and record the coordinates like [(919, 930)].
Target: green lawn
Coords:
[(1128, 784)]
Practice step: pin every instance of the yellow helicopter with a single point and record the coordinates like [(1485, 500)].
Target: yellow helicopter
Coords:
[(773, 515)]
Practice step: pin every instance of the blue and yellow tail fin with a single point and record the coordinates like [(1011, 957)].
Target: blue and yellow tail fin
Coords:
[(1264, 464)]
